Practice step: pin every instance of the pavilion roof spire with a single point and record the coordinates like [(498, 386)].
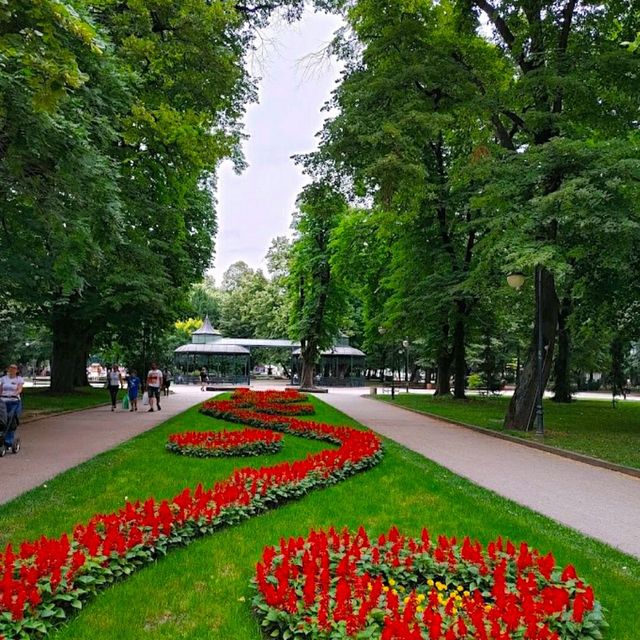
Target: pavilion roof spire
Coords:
[(205, 330)]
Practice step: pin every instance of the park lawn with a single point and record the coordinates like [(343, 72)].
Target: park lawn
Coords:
[(592, 427), (40, 402), (202, 591)]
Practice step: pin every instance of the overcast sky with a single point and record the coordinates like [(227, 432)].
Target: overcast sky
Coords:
[(256, 206)]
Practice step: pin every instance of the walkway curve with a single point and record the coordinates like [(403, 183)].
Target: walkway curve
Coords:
[(597, 502)]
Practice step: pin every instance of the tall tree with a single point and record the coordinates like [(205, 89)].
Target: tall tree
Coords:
[(569, 94), (318, 299), (408, 123)]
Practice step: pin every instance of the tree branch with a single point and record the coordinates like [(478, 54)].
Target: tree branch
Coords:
[(567, 18), (563, 42), (244, 9), (504, 137), (435, 94), (498, 21), (503, 29)]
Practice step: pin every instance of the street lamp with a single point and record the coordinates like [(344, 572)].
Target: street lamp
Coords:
[(516, 280), (405, 344), (382, 330)]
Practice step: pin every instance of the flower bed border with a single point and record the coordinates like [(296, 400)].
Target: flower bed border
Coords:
[(219, 444), (43, 582)]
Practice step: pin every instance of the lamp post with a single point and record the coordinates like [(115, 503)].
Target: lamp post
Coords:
[(515, 281), (405, 344), (382, 330)]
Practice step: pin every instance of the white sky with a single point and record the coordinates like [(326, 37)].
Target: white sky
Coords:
[(256, 206)]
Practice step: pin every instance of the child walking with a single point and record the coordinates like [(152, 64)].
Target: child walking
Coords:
[(133, 386)]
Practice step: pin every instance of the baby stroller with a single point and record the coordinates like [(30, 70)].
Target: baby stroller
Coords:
[(9, 422)]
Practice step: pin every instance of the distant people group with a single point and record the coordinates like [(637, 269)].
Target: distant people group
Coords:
[(156, 382)]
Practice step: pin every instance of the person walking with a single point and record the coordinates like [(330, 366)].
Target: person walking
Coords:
[(204, 378), (114, 382), (154, 384), (166, 382), (133, 386), (10, 389)]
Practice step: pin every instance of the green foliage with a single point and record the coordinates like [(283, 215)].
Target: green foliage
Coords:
[(113, 119)]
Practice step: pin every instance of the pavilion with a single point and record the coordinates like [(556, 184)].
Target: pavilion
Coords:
[(228, 360)]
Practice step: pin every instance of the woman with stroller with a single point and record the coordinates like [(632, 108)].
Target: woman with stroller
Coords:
[(114, 382), (10, 389)]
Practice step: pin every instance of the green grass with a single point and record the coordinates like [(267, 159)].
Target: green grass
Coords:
[(592, 427), (39, 402), (202, 591)]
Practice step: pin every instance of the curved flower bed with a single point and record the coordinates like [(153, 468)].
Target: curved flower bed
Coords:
[(286, 403), (272, 397), (343, 585), (212, 444), (42, 582)]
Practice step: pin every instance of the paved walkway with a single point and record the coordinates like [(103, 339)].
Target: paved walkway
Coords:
[(52, 445), (600, 503), (597, 502)]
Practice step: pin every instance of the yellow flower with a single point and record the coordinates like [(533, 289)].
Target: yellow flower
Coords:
[(391, 582), (421, 597), (385, 588), (467, 594), (460, 588), (406, 599), (395, 593), (419, 609), (430, 582), (487, 607), (440, 586)]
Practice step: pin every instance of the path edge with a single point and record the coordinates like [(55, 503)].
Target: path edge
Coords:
[(563, 453)]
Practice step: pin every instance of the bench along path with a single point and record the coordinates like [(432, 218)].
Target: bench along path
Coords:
[(600, 503), (52, 445)]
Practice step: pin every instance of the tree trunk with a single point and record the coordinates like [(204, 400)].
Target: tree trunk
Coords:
[(521, 411), (561, 368), (443, 365), (617, 364), (309, 353), (459, 360), (71, 344)]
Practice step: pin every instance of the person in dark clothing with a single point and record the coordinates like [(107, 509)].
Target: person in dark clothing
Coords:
[(114, 382)]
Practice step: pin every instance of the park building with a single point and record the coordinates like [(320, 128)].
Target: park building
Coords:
[(229, 360)]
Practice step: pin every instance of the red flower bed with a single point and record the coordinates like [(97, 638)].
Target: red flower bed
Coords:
[(248, 442), (343, 585), (286, 403), (43, 581), (288, 396)]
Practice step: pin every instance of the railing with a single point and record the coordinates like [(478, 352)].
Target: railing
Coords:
[(356, 381), (186, 379)]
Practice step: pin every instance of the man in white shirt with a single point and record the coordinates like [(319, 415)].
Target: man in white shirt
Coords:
[(154, 384)]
